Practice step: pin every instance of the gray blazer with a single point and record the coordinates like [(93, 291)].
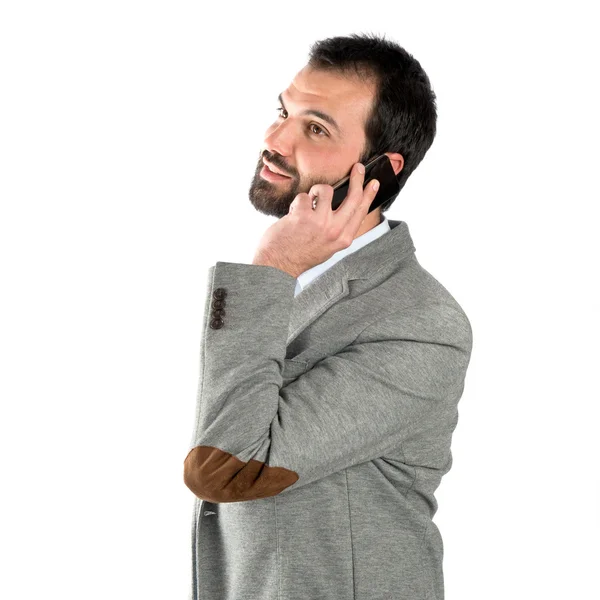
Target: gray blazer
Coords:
[(323, 428)]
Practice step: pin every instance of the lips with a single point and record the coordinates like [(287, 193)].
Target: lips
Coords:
[(273, 169)]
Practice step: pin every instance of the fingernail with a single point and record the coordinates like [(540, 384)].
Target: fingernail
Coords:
[(361, 168), (375, 185)]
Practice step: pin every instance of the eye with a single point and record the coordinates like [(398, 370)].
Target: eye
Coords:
[(323, 132)]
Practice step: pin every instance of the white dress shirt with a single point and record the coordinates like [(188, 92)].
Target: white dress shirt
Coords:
[(362, 240)]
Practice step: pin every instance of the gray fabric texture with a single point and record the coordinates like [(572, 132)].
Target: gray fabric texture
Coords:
[(353, 385)]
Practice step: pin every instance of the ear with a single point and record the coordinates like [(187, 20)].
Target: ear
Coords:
[(397, 161)]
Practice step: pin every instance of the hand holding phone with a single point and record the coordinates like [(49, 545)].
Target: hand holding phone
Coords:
[(379, 168), (310, 235)]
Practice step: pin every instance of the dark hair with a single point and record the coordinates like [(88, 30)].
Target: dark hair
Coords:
[(403, 116)]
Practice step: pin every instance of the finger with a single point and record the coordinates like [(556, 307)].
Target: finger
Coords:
[(302, 201), (351, 204), (369, 194), (323, 193)]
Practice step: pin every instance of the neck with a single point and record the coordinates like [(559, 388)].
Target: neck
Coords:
[(373, 219)]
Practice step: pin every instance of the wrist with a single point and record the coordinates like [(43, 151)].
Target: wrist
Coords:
[(268, 261)]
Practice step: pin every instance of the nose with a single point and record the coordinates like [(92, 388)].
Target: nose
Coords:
[(278, 141)]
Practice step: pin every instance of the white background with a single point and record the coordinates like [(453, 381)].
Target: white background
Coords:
[(129, 134)]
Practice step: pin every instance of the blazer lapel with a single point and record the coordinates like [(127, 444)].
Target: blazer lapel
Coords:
[(376, 258), (316, 298)]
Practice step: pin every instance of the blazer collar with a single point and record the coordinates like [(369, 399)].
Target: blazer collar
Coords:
[(381, 256)]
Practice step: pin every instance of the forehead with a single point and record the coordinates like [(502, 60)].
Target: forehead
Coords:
[(347, 100)]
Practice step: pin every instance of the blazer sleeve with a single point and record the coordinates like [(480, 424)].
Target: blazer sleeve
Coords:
[(255, 438)]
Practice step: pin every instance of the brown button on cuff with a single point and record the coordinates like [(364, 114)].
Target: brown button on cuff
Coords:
[(218, 304)]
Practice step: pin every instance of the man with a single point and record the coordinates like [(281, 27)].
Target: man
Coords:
[(332, 366)]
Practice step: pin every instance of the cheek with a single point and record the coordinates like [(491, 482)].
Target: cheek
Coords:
[(326, 171), (317, 165)]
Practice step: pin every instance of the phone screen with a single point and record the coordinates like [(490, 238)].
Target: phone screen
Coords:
[(379, 168)]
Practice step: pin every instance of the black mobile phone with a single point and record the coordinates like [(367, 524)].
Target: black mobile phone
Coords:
[(379, 168)]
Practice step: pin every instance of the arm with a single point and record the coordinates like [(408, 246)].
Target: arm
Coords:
[(256, 438)]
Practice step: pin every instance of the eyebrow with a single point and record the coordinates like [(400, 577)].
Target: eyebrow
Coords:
[(316, 113)]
